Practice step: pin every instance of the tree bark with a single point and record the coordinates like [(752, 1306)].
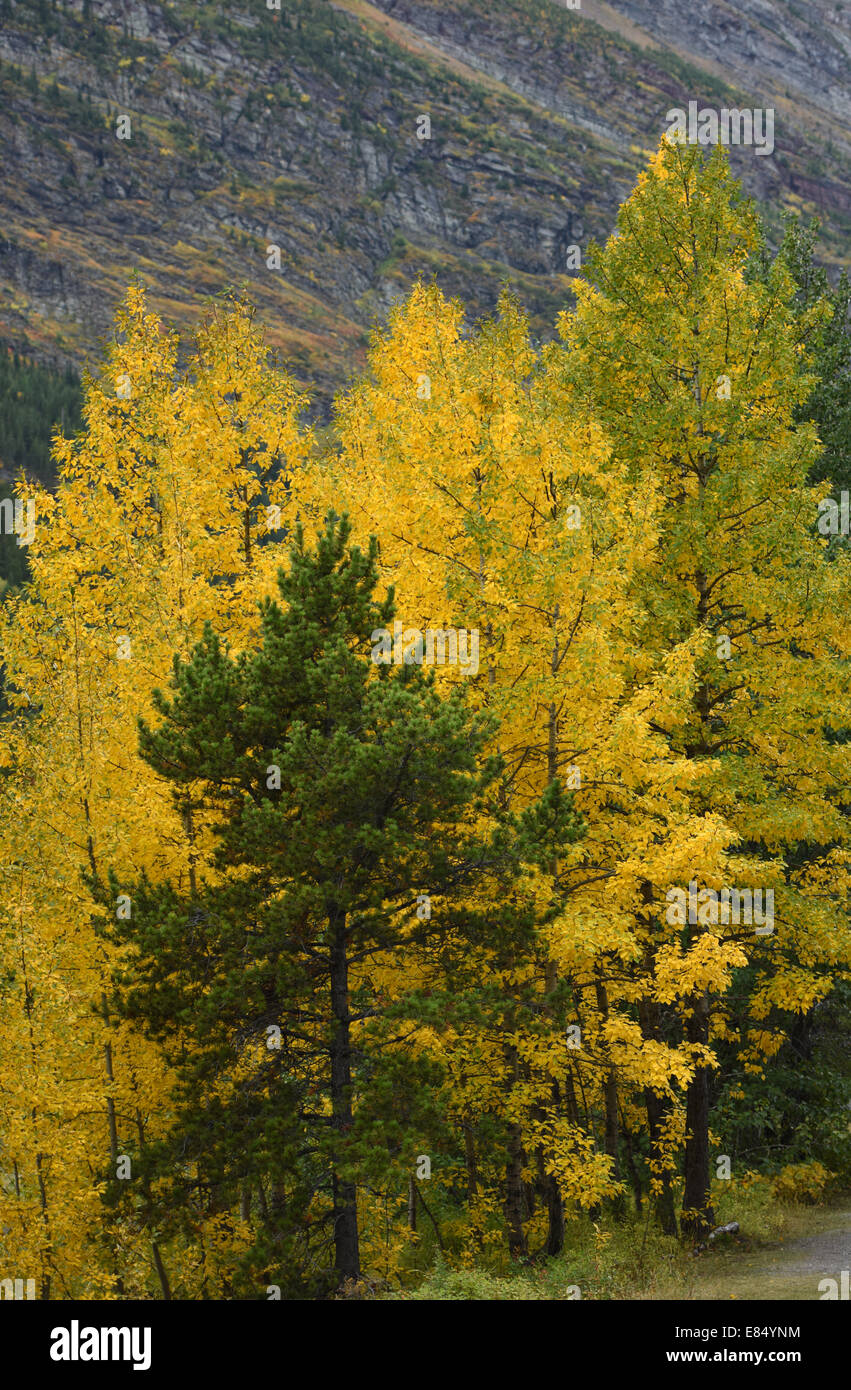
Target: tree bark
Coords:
[(658, 1107), (412, 1205), (346, 1244), (698, 1216), (515, 1205), (610, 1097), (515, 1194), (634, 1177), (159, 1264), (663, 1202), (553, 1198), (470, 1160)]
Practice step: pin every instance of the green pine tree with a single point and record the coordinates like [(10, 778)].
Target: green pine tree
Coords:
[(830, 403), (339, 795)]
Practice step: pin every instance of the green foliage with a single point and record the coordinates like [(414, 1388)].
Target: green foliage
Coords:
[(315, 873), (445, 1285), (33, 399), (799, 1110), (830, 403)]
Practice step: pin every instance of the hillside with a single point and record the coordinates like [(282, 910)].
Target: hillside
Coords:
[(251, 127)]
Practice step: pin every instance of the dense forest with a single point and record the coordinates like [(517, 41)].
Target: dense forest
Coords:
[(427, 840), (33, 400)]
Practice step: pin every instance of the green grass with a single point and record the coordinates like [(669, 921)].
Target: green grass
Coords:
[(631, 1261)]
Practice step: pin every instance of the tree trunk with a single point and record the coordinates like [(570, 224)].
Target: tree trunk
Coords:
[(412, 1205), (113, 1128), (698, 1216), (515, 1189), (634, 1176), (161, 1272), (657, 1106), (346, 1245), (657, 1110), (610, 1096), (549, 1191), (159, 1264), (555, 1215), (663, 1202), (515, 1194), (470, 1160)]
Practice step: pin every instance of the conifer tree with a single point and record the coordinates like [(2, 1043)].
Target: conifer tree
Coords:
[(336, 792), (828, 340)]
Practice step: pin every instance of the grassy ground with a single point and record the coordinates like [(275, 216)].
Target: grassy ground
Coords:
[(782, 1252), (816, 1245)]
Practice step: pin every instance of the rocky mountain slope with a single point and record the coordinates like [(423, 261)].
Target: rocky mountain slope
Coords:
[(181, 141)]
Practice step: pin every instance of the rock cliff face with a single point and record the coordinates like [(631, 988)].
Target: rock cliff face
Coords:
[(773, 46), (185, 141)]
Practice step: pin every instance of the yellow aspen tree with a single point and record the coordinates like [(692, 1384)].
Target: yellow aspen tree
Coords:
[(170, 508), (695, 371), (500, 508)]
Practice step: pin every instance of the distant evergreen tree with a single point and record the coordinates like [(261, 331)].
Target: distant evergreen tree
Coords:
[(33, 400), (830, 403)]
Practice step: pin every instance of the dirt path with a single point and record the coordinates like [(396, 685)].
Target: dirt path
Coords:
[(792, 1270)]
